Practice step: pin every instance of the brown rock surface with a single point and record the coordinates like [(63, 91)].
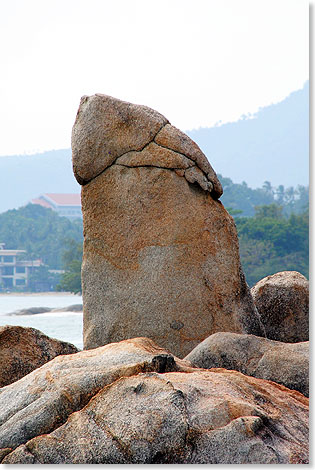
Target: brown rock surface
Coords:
[(201, 417), (283, 304), (43, 400), (172, 138), (161, 254), (284, 363), (25, 349), (106, 128), (154, 155)]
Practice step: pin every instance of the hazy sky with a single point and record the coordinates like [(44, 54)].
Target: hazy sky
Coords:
[(197, 62)]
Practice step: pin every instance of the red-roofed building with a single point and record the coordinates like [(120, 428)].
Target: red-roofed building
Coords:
[(67, 205)]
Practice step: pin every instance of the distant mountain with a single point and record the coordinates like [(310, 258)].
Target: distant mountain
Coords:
[(271, 145), (24, 177)]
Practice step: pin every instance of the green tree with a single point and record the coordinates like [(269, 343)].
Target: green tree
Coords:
[(242, 197), (290, 198), (232, 211), (268, 189), (280, 194), (272, 211), (301, 201), (270, 242), (39, 231), (72, 261)]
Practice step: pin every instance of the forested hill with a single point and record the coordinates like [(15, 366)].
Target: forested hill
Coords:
[(271, 145)]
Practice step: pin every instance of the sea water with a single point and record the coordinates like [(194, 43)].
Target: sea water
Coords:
[(65, 326)]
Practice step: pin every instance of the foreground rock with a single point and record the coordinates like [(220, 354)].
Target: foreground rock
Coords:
[(283, 304), (24, 349), (161, 255), (43, 400), (284, 363), (192, 416)]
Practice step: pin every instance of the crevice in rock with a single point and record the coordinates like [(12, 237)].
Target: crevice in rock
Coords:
[(65, 407), (19, 409), (191, 434), (163, 363), (4, 452), (22, 449), (28, 450), (84, 182), (173, 159), (206, 185), (115, 439), (175, 151), (146, 166)]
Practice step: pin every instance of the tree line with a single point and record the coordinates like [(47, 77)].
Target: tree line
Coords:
[(272, 225), (242, 199), (39, 231), (44, 235), (271, 242)]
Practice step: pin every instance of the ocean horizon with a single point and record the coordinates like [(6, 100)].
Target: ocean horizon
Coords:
[(64, 326)]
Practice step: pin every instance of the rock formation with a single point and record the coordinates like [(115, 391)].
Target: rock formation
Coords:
[(283, 304), (25, 349), (30, 311), (43, 400), (37, 310), (284, 363), (161, 254), (134, 403)]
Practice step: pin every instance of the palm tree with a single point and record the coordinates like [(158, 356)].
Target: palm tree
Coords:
[(268, 188)]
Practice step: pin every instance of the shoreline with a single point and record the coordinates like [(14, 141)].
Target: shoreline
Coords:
[(38, 294)]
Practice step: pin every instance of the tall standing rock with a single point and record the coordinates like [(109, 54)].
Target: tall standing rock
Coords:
[(161, 255)]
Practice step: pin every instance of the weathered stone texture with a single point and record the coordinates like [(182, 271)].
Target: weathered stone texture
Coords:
[(25, 349), (154, 155), (105, 129), (193, 417), (172, 138), (284, 363), (150, 262), (283, 304), (161, 253), (42, 400)]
